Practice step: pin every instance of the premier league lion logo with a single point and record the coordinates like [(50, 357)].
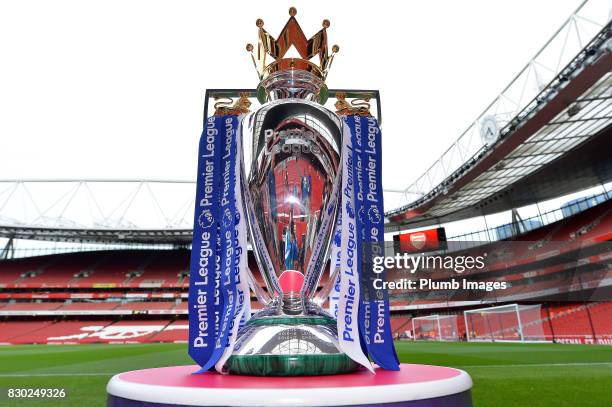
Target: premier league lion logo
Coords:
[(360, 213), (227, 218), (206, 219), (374, 215), (350, 211), (338, 237)]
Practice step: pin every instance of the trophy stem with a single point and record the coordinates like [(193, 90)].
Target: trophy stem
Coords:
[(292, 304), (293, 83)]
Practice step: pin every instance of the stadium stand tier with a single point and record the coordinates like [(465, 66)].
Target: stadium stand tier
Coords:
[(570, 255), (111, 296), (579, 323)]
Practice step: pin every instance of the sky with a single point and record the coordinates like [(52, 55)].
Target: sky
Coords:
[(114, 89)]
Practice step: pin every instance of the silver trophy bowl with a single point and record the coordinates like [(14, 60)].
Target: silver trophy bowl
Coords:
[(295, 160)]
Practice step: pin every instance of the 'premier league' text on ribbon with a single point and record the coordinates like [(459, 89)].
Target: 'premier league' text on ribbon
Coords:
[(363, 311), (217, 283)]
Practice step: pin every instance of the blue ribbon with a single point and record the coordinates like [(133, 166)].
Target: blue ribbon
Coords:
[(364, 304), (374, 322), (212, 288), (227, 226)]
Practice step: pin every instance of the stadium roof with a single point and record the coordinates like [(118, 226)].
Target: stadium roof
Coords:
[(558, 143), (131, 236)]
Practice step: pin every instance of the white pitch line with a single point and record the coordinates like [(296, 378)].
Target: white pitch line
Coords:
[(53, 374)]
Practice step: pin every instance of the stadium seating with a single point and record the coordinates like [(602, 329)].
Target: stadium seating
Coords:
[(60, 271), (63, 332), (100, 270), (147, 305), (119, 284), (32, 306), (533, 277), (22, 332), (567, 323), (92, 331), (399, 324), (163, 270), (11, 271), (579, 323), (594, 218), (181, 306), (88, 306), (113, 270), (131, 331), (601, 317), (177, 331)]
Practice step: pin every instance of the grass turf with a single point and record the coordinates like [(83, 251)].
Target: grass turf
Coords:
[(504, 374)]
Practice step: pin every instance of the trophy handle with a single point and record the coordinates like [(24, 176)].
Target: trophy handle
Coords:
[(262, 296), (320, 298), (254, 233), (321, 251)]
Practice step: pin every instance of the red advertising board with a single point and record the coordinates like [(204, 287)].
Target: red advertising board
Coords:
[(421, 241)]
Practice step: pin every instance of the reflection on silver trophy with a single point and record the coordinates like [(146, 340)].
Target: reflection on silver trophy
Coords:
[(295, 153)]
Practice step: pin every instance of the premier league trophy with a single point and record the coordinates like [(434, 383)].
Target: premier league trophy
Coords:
[(295, 152), (303, 185), (313, 173)]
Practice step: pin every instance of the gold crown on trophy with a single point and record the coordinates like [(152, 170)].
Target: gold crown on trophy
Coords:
[(292, 35)]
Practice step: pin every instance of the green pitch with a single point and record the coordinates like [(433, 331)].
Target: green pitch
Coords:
[(503, 374)]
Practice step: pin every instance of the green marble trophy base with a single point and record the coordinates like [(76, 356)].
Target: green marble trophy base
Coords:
[(292, 364)]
